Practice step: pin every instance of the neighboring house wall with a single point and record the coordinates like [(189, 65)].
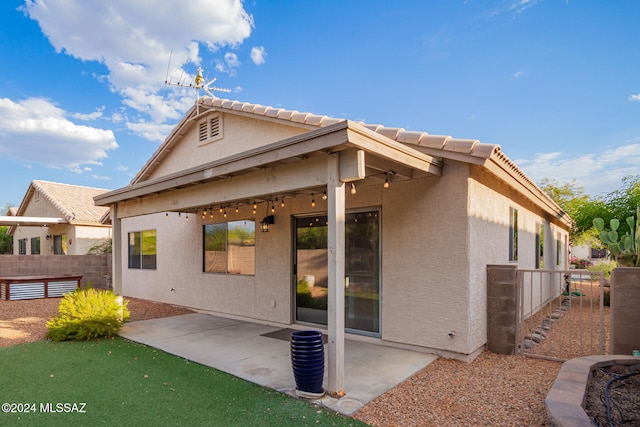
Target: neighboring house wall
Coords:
[(86, 237), (78, 238)]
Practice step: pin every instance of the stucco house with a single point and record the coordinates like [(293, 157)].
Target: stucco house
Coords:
[(57, 219), (306, 221)]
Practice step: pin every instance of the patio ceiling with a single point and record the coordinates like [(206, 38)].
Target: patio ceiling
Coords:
[(384, 158)]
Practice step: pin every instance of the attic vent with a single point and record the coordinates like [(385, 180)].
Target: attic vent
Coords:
[(36, 196), (202, 132), (214, 127), (210, 129)]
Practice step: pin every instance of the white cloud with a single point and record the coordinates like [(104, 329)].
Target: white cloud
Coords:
[(231, 59), (509, 6), (151, 131), (90, 116), (137, 40), (518, 74), (229, 65), (101, 177), (635, 97), (520, 6), (597, 173), (36, 130), (258, 55)]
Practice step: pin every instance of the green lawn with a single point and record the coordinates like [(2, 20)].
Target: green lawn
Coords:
[(118, 382)]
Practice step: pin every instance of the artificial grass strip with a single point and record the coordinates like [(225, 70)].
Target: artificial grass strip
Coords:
[(119, 382)]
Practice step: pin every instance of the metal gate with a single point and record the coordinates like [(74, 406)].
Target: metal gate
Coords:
[(561, 314)]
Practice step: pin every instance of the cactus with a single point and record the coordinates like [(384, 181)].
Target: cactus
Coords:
[(625, 247)]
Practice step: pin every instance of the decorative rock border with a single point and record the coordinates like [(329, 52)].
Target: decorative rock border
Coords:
[(565, 401), (537, 334)]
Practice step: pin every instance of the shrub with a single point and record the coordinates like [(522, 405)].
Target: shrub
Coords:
[(102, 246), (88, 314), (605, 266)]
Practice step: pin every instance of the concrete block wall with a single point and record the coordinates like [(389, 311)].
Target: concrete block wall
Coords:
[(625, 310), (501, 309), (95, 269)]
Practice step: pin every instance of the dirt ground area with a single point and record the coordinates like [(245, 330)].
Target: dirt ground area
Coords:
[(26, 320)]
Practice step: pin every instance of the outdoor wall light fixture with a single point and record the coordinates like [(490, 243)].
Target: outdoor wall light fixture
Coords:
[(266, 221), (48, 237)]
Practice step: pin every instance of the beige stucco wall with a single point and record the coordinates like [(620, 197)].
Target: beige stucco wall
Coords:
[(438, 235), (239, 134), (425, 262), (179, 278), (489, 216)]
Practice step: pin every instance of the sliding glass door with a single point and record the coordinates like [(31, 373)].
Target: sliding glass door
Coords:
[(362, 271)]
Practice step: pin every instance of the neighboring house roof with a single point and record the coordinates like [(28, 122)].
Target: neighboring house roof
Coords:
[(74, 203), (471, 151)]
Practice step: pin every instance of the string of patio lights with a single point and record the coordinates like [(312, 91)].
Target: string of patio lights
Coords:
[(268, 219)]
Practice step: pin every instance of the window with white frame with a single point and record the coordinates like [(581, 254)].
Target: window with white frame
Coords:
[(513, 234), (539, 245), (142, 250), (559, 248), (210, 129), (230, 247)]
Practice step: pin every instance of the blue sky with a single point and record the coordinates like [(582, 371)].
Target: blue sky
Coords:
[(556, 83)]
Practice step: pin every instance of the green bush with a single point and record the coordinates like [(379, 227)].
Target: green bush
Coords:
[(605, 266), (88, 314)]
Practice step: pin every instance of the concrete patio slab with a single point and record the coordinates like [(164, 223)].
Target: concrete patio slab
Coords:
[(239, 348)]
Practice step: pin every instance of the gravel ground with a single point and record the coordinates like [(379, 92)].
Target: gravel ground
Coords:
[(26, 320), (493, 390)]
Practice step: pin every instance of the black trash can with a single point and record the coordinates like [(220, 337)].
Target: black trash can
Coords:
[(307, 360)]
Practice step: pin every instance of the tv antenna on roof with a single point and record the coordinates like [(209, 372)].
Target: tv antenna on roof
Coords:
[(199, 83)]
